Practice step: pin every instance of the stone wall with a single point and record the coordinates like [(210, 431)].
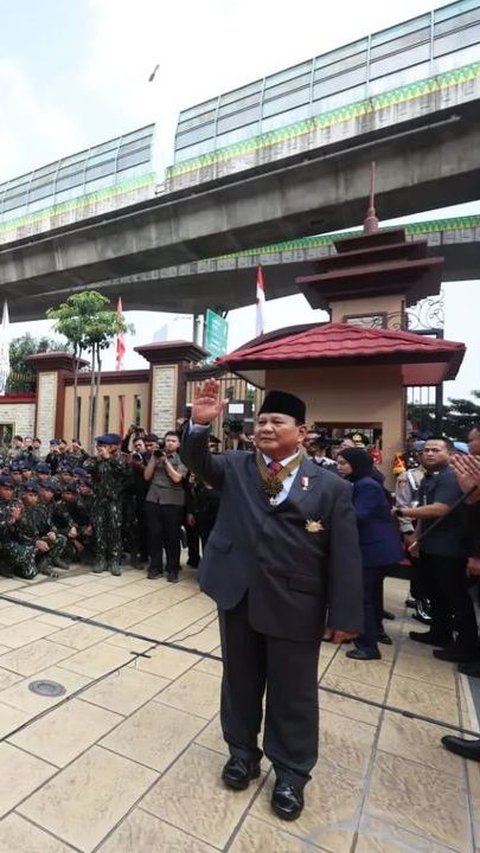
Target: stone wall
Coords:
[(47, 383), (20, 414), (164, 397)]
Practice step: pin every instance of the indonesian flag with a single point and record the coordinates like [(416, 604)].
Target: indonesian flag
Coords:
[(4, 349), (260, 326), (120, 346)]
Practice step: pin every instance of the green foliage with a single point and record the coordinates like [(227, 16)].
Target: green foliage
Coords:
[(458, 417), (22, 375), (90, 325), (87, 321)]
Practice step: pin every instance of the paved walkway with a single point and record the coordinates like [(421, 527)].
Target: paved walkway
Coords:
[(128, 759)]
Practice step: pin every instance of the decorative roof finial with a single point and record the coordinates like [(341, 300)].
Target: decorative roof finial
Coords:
[(370, 224)]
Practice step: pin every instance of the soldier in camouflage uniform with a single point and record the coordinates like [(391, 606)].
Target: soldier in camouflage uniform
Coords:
[(64, 519), (57, 521), (34, 528), (109, 473), (18, 555), (76, 455), (82, 514), (16, 469)]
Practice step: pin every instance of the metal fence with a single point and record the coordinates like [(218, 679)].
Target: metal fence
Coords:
[(416, 49), (73, 176)]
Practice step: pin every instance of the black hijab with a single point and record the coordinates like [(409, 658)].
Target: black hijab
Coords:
[(360, 461)]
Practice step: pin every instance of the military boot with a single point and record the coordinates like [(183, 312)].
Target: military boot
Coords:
[(99, 566), (115, 569), (45, 568), (61, 564)]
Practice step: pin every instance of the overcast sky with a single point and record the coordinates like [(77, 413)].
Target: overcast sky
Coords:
[(74, 73)]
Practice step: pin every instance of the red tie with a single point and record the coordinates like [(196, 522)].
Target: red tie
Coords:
[(274, 468)]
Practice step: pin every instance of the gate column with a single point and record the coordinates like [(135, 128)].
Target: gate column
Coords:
[(168, 363)]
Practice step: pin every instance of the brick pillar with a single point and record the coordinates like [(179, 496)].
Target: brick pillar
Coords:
[(52, 369), (168, 362)]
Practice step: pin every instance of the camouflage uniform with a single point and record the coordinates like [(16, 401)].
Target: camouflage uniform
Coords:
[(34, 525), (108, 479), (17, 553), (82, 517)]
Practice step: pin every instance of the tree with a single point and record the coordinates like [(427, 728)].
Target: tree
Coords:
[(458, 417), (22, 376), (90, 325), (461, 416)]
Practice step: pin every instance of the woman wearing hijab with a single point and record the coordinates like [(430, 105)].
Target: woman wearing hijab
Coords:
[(379, 543)]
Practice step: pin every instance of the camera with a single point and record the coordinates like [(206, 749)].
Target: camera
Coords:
[(158, 453), (233, 426)]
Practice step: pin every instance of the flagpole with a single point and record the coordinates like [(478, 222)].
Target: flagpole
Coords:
[(260, 300), (4, 349), (120, 349)]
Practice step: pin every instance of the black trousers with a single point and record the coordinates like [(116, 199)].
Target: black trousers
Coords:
[(164, 522), (445, 579), (141, 544), (372, 606), (193, 545), (288, 671)]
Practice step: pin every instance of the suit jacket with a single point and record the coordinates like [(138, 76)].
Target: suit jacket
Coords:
[(380, 542), (291, 575)]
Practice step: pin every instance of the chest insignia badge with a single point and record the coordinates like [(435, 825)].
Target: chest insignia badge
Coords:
[(312, 526)]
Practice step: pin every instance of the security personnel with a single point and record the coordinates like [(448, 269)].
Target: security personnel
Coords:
[(108, 471)]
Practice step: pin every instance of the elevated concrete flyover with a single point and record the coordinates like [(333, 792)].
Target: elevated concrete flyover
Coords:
[(228, 282), (427, 157)]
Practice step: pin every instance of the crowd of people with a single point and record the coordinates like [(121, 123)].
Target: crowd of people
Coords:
[(132, 499), (142, 497)]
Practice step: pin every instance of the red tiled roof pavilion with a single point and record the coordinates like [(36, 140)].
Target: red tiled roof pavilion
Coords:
[(424, 360)]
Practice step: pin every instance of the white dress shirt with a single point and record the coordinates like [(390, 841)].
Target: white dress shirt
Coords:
[(288, 481)]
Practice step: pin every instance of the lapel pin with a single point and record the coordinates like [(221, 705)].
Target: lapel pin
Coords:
[(312, 526), (304, 483)]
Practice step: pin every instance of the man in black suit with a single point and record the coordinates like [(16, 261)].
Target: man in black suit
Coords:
[(283, 551)]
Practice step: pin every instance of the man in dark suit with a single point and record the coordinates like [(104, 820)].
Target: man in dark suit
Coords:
[(283, 551)]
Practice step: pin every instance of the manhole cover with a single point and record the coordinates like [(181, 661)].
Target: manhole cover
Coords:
[(47, 688)]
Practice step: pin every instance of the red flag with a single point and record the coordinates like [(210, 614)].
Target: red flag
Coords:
[(120, 346), (260, 325)]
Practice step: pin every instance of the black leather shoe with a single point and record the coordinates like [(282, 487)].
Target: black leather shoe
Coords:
[(465, 748), (154, 573), (429, 639), (470, 669), (287, 801), (363, 654), (172, 577), (454, 655), (238, 773), (385, 639)]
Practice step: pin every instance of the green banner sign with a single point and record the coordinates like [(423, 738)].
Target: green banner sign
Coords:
[(216, 334)]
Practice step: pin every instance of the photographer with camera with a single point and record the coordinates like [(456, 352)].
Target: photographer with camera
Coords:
[(235, 436), (138, 459), (165, 505)]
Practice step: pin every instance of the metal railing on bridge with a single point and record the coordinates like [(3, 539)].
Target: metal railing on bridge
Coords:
[(78, 174), (436, 42)]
